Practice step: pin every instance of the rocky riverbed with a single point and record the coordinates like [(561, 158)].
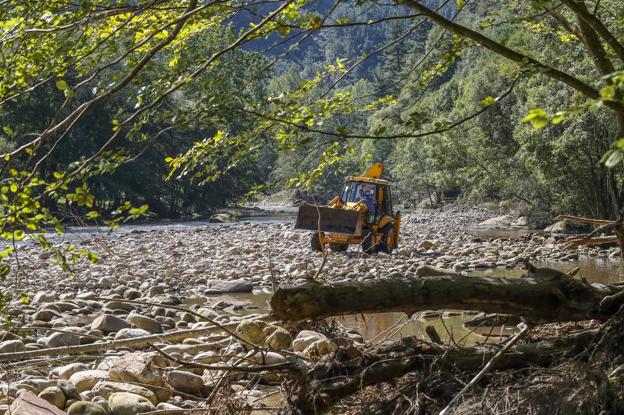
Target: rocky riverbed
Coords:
[(143, 275)]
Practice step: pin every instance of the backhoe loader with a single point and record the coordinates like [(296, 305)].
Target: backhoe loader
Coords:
[(361, 215)]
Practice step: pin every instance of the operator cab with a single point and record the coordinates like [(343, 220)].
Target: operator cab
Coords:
[(374, 193)]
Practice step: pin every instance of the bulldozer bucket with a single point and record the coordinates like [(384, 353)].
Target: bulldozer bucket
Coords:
[(332, 220)]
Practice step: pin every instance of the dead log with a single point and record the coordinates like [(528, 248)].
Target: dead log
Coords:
[(338, 376), (541, 295)]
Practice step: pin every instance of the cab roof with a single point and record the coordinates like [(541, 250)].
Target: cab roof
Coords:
[(367, 180)]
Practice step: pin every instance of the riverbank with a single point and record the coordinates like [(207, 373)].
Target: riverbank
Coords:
[(210, 271)]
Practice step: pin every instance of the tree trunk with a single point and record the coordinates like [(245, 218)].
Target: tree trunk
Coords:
[(542, 295)]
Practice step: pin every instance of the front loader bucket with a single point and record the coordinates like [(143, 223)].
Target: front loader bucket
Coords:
[(332, 220)]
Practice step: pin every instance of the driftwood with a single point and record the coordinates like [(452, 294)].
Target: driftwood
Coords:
[(489, 366), (542, 295), (176, 336), (591, 239), (341, 375)]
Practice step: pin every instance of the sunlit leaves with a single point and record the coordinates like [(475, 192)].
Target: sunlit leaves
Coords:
[(537, 117)]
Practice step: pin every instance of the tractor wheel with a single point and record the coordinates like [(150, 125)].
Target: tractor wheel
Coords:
[(388, 240), (338, 247), (315, 242), (368, 245)]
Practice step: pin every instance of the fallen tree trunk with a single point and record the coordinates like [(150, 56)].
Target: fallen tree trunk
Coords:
[(541, 295)]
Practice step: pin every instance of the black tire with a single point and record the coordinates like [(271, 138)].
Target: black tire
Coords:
[(367, 244), (315, 242), (338, 247), (388, 240)]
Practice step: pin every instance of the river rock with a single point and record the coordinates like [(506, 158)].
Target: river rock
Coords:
[(145, 323), (12, 346), (85, 380), (280, 339), (85, 408), (105, 389), (145, 368), (62, 339), (130, 333), (53, 395), (252, 331), (124, 403), (305, 338), (65, 372), (220, 286), (185, 381), (109, 323), (29, 404)]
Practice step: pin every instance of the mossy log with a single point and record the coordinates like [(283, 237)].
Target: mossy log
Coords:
[(541, 295)]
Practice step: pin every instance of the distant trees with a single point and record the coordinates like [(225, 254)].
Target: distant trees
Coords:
[(94, 96)]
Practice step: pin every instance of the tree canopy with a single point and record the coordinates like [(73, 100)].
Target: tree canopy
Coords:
[(110, 109)]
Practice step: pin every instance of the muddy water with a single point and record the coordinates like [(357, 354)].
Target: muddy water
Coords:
[(449, 325)]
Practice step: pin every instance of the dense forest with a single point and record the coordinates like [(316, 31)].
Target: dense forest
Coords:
[(321, 93)]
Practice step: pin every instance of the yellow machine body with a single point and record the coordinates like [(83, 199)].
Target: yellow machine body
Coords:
[(361, 215)]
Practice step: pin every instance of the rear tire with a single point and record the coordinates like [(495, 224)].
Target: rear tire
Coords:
[(388, 240), (315, 242), (338, 247)]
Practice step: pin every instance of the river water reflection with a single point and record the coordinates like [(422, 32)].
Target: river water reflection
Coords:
[(450, 325)]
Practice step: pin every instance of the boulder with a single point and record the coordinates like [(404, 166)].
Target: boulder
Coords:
[(29, 404), (125, 403), (109, 323)]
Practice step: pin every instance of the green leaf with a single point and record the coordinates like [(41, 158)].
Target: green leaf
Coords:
[(614, 159), (488, 101), (537, 117), (93, 215), (62, 85), (18, 235)]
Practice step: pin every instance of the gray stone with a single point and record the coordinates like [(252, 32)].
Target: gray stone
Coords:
[(12, 346), (109, 323), (85, 408), (235, 286), (62, 339), (185, 381), (145, 323), (131, 333)]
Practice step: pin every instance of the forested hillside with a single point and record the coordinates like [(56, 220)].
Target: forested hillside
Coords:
[(383, 73)]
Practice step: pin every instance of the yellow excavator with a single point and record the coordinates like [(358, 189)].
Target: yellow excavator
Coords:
[(361, 215)]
